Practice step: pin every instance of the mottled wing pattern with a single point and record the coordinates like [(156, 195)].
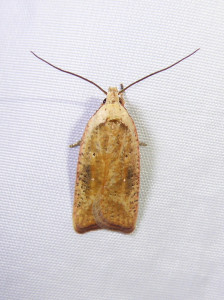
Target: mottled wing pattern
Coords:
[(107, 184)]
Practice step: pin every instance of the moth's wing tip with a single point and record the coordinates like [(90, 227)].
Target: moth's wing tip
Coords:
[(125, 230), (81, 230), (105, 224), (129, 230)]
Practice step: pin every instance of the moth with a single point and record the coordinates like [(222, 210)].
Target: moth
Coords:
[(108, 170)]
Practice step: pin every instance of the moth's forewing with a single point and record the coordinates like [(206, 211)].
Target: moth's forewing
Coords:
[(107, 184)]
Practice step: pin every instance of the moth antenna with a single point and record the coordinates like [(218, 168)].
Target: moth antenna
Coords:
[(70, 72), (158, 71)]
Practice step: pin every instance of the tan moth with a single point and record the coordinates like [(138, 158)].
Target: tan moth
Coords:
[(108, 170)]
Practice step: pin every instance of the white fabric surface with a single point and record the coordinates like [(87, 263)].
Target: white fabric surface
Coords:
[(176, 251)]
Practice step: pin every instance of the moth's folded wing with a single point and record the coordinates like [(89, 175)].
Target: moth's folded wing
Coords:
[(116, 205), (86, 181)]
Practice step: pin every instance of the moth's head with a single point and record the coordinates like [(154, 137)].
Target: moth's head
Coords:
[(113, 96)]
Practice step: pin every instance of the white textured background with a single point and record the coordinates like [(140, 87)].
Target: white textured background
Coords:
[(177, 250)]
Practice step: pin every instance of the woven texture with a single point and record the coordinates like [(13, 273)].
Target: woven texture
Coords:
[(176, 251)]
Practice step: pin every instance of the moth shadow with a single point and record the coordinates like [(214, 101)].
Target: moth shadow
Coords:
[(147, 159), (90, 107)]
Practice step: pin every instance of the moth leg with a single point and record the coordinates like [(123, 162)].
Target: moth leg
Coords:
[(142, 144), (75, 145)]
